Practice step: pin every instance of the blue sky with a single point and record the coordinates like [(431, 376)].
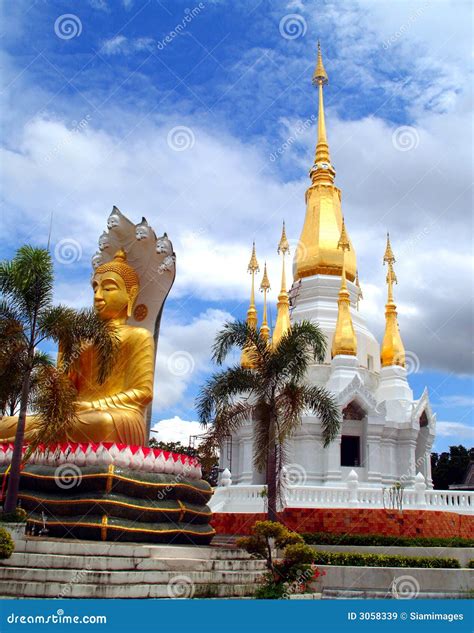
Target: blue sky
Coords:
[(87, 115)]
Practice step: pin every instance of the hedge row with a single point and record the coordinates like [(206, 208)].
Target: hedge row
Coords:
[(325, 538), (383, 560)]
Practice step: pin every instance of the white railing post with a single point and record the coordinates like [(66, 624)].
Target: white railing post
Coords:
[(353, 487), (420, 490), (226, 478)]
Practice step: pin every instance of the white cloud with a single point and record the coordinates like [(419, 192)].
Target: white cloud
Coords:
[(457, 401), (184, 355), (456, 430), (176, 430), (100, 5), (121, 45), (82, 171)]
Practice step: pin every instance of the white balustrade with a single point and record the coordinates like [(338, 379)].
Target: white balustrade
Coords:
[(249, 498)]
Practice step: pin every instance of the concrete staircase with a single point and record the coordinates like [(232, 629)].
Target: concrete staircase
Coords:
[(50, 568)]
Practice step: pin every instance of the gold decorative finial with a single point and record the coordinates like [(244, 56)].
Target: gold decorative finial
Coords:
[(252, 316), (344, 340), (283, 246), (253, 268), (320, 75), (265, 287), (253, 263), (393, 350), (343, 242), (389, 257), (283, 323), (318, 253)]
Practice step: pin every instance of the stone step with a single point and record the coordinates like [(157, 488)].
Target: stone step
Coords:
[(55, 590), (76, 547), (95, 548), (209, 552), (115, 563), (151, 577)]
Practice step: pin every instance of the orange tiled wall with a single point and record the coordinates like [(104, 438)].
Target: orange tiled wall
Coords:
[(364, 521)]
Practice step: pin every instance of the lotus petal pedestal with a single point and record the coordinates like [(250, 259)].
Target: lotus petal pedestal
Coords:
[(112, 492)]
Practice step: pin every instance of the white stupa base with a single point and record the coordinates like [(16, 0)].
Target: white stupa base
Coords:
[(343, 370)]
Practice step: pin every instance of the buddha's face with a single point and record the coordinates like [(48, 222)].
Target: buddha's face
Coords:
[(111, 297)]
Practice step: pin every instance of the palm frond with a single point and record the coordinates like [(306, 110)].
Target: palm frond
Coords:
[(220, 389), (290, 405), (73, 329), (322, 403), (41, 359), (54, 403), (295, 352), (27, 280), (229, 419), (240, 335)]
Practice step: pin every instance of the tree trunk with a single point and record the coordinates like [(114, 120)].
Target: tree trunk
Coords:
[(272, 475), (14, 476)]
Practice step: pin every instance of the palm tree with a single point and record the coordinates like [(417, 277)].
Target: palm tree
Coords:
[(12, 362), (27, 318), (273, 394)]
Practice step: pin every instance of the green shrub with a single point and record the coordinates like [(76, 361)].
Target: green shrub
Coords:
[(325, 538), (284, 577), (17, 516), (7, 545), (253, 545), (471, 563), (298, 554), (382, 560), (258, 543)]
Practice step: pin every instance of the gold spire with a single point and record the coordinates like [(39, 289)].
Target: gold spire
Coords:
[(265, 287), (252, 318), (283, 324), (322, 168), (393, 351), (344, 340), (319, 254)]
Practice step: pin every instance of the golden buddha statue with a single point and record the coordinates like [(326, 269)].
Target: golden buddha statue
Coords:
[(114, 411)]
